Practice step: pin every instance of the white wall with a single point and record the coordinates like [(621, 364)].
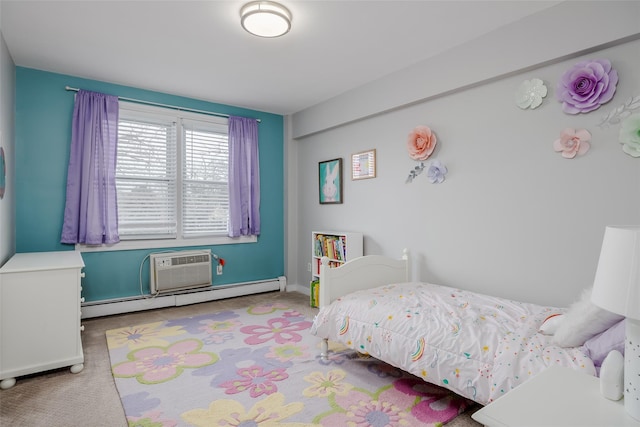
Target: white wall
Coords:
[(553, 34), (513, 218), (7, 101)]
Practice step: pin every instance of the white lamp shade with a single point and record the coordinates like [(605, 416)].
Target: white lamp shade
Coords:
[(616, 287)]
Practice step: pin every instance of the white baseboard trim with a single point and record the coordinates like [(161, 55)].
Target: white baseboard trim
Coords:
[(303, 289), (148, 302)]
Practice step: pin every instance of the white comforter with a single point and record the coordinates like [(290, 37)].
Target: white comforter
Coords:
[(475, 345)]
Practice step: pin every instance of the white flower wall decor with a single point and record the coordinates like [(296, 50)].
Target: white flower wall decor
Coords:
[(530, 93)]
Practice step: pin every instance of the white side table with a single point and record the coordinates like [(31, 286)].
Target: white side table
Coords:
[(556, 397)]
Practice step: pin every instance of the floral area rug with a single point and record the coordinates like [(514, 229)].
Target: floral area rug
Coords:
[(260, 367)]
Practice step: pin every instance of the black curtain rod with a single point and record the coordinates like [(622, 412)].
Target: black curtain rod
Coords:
[(157, 104)]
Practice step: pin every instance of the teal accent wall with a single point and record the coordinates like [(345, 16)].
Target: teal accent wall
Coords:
[(43, 135)]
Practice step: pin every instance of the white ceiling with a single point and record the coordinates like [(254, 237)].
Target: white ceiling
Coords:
[(197, 49)]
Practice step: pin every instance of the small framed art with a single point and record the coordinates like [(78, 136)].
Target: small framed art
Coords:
[(330, 181), (363, 165)]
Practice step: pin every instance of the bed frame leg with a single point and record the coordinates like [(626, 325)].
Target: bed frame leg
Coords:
[(324, 351)]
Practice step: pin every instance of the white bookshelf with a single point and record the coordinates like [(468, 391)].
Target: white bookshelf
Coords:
[(338, 246)]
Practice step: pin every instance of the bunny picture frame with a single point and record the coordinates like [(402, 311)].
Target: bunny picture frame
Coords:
[(330, 181)]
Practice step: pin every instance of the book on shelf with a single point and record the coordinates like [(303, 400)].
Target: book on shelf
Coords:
[(314, 295), (333, 247)]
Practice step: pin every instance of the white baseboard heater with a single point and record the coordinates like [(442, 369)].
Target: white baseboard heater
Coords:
[(147, 302), (179, 271)]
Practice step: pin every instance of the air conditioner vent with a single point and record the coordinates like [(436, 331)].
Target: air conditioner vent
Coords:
[(178, 271)]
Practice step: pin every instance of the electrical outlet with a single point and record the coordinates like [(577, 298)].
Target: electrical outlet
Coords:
[(219, 270), (309, 267)]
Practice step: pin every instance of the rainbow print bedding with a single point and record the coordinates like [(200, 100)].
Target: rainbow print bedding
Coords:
[(476, 345)]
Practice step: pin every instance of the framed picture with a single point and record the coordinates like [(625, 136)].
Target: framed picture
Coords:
[(363, 165), (330, 181)]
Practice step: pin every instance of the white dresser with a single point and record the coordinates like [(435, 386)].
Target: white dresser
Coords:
[(40, 314)]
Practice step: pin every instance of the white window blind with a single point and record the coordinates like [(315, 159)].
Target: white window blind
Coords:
[(171, 175), (205, 208)]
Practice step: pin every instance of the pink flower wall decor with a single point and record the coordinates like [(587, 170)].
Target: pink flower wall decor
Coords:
[(572, 143), (421, 143), (586, 86)]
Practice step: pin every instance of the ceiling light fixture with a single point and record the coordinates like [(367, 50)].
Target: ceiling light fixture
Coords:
[(265, 18)]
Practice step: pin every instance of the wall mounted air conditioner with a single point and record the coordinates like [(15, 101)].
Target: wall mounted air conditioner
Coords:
[(179, 271)]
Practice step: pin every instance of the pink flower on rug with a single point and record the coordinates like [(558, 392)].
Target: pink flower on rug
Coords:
[(279, 329), (155, 365), (438, 405), (572, 143), (287, 352), (147, 335), (268, 412), (256, 380)]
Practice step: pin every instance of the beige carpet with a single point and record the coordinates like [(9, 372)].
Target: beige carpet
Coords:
[(59, 398)]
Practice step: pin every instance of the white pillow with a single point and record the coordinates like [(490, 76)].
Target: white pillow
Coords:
[(551, 324), (582, 321)]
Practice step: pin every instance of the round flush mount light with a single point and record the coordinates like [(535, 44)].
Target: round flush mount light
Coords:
[(265, 18)]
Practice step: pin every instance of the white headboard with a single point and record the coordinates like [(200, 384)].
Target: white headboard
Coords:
[(360, 273)]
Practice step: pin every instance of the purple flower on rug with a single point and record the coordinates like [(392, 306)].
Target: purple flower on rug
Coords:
[(586, 86), (280, 330), (218, 331), (137, 404), (195, 323), (218, 338), (155, 365), (256, 380)]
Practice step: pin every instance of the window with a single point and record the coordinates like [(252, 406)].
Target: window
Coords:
[(171, 179)]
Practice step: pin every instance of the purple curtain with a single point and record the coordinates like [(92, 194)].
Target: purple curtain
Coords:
[(244, 177), (91, 213)]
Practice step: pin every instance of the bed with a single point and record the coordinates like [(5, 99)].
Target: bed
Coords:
[(476, 345)]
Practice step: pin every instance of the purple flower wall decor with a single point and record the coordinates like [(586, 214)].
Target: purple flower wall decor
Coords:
[(586, 86), (572, 143), (436, 172), (630, 135)]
